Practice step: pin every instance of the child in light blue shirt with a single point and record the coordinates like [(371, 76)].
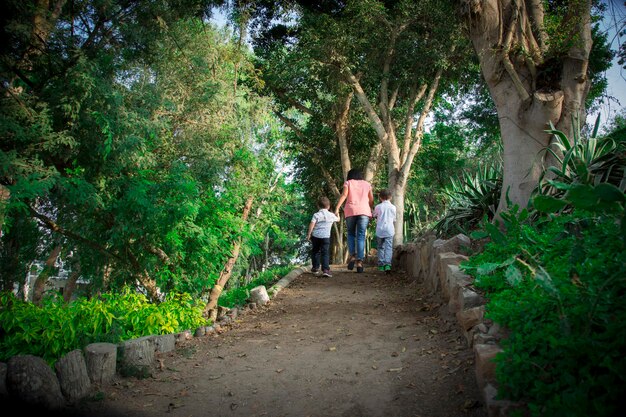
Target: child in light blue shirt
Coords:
[(385, 215)]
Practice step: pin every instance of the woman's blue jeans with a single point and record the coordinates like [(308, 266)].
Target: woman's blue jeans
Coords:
[(356, 226)]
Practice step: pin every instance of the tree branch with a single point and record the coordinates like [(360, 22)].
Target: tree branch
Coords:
[(369, 109), (331, 182), (294, 103), (506, 50), (415, 98), (53, 226), (289, 124), (419, 133)]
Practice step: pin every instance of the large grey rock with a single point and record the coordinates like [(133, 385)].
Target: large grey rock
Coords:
[(457, 244), (406, 255), (424, 254), (484, 364), (72, 374), (456, 279), (468, 298), (445, 259), (30, 380)]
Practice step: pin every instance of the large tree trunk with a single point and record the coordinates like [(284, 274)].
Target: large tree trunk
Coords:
[(342, 122), (210, 310), (526, 103)]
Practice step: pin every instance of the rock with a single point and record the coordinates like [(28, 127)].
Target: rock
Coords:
[(485, 367), (222, 311), (30, 380), (445, 259), (184, 335)]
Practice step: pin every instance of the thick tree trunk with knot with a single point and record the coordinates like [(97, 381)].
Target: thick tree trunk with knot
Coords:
[(530, 88)]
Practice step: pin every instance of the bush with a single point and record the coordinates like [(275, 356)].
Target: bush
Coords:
[(56, 328), (558, 286)]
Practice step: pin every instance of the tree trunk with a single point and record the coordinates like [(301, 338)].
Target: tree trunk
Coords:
[(338, 242), (142, 276), (5, 194), (397, 198), (150, 285), (42, 278), (526, 104), (70, 286), (210, 310), (342, 122)]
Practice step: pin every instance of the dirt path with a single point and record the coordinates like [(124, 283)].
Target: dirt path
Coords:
[(351, 345)]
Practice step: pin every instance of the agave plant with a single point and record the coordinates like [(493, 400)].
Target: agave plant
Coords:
[(420, 219), (471, 198), (589, 161)]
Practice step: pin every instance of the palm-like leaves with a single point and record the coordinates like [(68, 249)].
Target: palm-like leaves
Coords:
[(472, 196), (588, 161)]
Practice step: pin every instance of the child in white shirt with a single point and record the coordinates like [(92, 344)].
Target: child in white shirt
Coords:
[(385, 214), (319, 235)]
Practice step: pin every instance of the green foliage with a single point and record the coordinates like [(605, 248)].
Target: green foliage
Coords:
[(558, 287), (583, 160), (471, 198), (55, 328), (589, 174), (554, 277), (138, 153), (419, 219)]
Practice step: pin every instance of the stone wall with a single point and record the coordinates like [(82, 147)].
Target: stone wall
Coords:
[(434, 263)]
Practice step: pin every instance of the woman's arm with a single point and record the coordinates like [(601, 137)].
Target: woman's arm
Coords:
[(370, 196), (342, 198)]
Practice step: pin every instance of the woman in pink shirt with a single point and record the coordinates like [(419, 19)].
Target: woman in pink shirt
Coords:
[(357, 193)]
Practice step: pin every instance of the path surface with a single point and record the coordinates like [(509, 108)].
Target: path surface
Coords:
[(351, 345)]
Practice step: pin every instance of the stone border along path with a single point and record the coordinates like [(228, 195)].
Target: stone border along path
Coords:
[(28, 380), (434, 263)]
